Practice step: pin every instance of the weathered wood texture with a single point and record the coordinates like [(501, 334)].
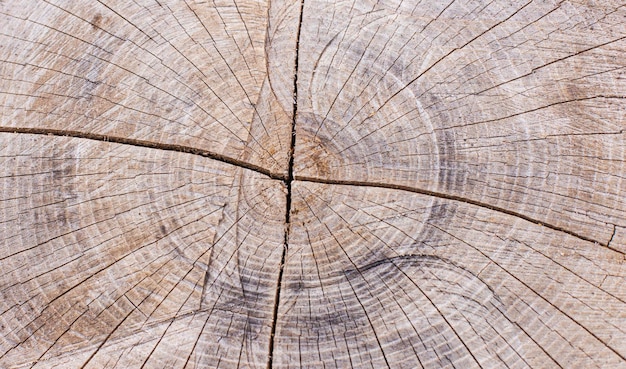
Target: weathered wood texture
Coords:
[(213, 76), (517, 104), (115, 255), (379, 277), (235, 183)]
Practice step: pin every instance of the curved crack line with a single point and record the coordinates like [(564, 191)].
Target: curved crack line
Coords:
[(147, 144), (289, 177), (465, 200)]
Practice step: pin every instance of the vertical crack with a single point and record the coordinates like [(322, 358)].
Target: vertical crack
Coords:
[(608, 244), (288, 182)]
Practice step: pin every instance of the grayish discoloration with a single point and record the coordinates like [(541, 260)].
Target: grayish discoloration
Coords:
[(404, 184)]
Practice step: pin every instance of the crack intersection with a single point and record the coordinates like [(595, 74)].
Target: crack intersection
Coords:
[(288, 181)]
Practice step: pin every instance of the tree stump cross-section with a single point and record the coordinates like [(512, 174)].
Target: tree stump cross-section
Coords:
[(320, 184)]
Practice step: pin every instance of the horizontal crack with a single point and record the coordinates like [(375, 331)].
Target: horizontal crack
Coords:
[(453, 198), (148, 144), (285, 177)]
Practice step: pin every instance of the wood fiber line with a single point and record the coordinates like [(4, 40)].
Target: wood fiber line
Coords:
[(146, 144), (290, 178), (312, 184), (288, 182)]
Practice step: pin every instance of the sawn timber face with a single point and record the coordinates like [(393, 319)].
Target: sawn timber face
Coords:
[(504, 106), (176, 73), (312, 184)]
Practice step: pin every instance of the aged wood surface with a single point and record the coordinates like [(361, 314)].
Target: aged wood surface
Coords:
[(236, 183)]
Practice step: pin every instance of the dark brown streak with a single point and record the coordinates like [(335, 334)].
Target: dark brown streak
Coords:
[(453, 198), (612, 235)]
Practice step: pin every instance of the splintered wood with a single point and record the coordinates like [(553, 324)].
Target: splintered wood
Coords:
[(285, 184)]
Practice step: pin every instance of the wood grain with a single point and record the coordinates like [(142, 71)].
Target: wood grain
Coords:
[(175, 72), (389, 278), (310, 183), (517, 105), (114, 255)]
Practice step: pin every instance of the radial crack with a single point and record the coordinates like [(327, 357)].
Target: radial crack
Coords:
[(148, 144), (454, 198), (288, 181)]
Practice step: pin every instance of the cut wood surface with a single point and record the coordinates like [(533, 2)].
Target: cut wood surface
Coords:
[(180, 73), (120, 255), (516, 105), (380, 277), (321, 184)]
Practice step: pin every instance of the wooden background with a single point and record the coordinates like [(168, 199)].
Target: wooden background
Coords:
[(322, 184)]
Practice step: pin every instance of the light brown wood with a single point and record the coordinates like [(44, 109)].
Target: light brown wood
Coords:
[(113, 254), (176, 72), (379, 277), (518, 105), (319, 184)]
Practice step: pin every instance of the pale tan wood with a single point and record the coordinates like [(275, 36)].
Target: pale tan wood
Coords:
[(378, 277), (175, 72), (114, 255), (518, 105), (451, 195)]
